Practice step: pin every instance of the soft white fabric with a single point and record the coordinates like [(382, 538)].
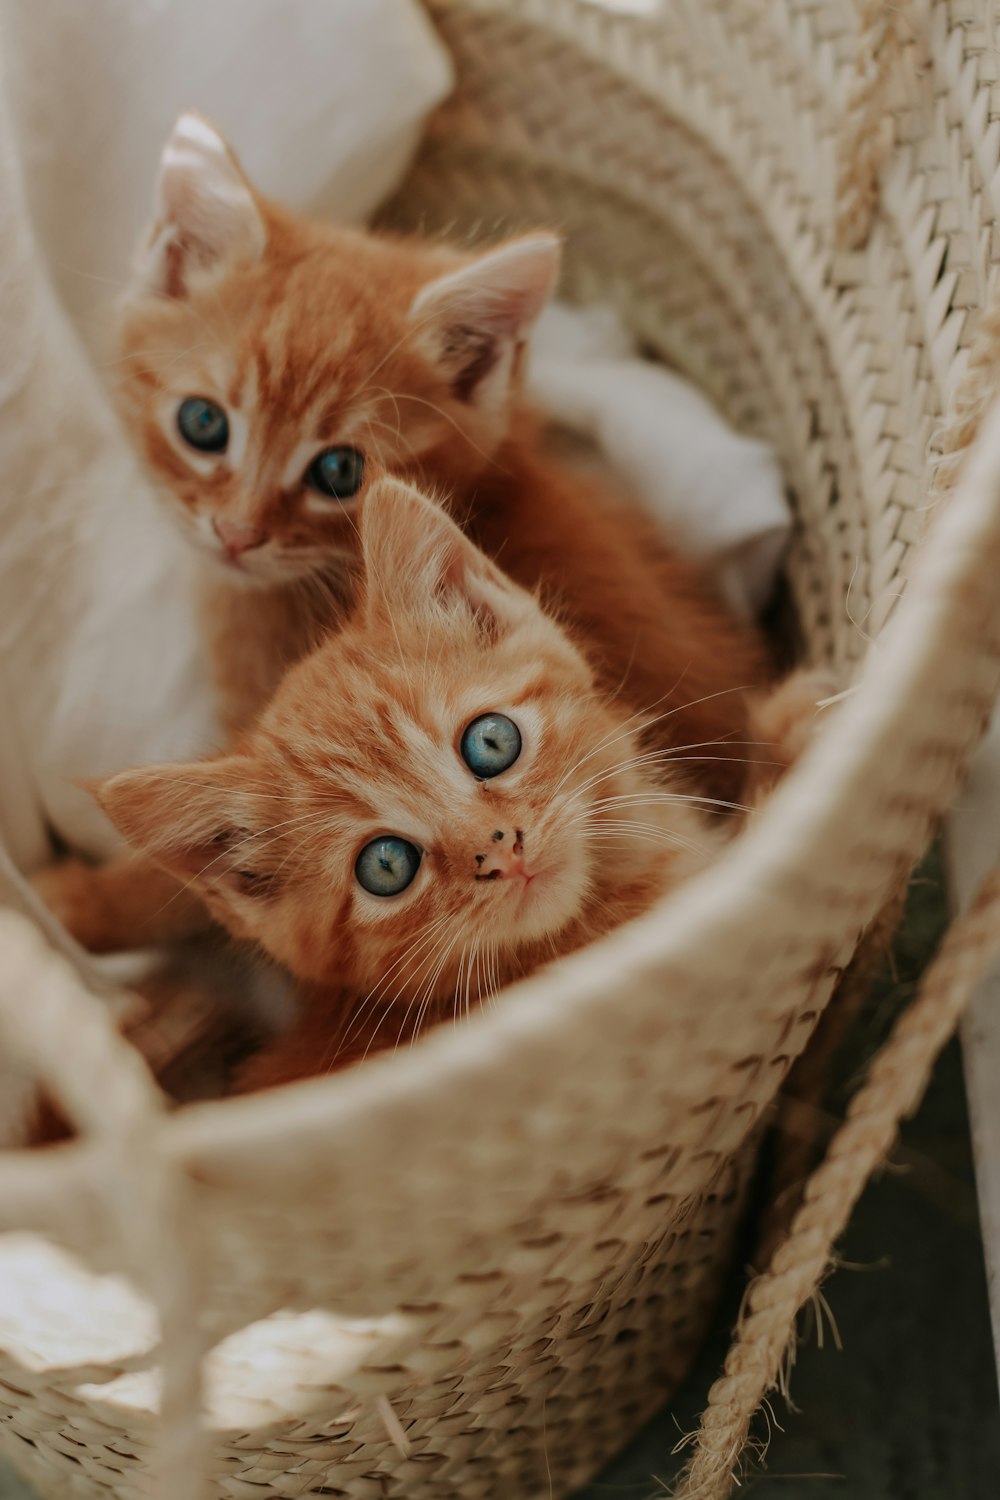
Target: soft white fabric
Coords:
[(100, 666), (324, 100), (718, 493)]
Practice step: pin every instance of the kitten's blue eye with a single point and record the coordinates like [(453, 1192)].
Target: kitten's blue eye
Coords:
[(203, 424), (490, 745), (337, 472), (387, 865)]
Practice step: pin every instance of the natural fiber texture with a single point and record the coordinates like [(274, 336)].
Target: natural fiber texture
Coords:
[(483, 1261), (801, 1129), (973, 392), (867, 133)]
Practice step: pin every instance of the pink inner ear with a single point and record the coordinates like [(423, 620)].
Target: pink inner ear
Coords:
[(472, 356), (453, 577), (173, 270), (196, 861), (206, 230), (463, 574), (216, 862), (479, 310), (207, 215)]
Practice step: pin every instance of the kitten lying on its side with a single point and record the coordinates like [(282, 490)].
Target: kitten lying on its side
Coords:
[(271, 365), (440, 798)]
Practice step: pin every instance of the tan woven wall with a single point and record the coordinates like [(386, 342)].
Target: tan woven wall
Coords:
[(536, 1210)]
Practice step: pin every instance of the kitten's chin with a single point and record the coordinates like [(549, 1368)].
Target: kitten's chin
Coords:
[(237, 574), (278, 572), (217, 566), (247, 572), (544, 907)]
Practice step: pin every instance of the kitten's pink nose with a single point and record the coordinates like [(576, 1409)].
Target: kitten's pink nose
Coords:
[(505, 857), (237, 537)]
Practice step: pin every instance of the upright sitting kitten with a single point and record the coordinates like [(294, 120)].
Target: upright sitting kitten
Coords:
[(272, 364), (269, 361), (439, 799)]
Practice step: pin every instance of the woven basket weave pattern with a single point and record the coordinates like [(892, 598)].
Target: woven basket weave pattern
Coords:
[(521, 1226)]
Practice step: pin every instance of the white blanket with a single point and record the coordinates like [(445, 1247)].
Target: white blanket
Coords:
[(99, 663), (719, 494)]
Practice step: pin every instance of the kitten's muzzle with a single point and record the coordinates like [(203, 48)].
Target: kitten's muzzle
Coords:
[(504, 858), (236, 537)]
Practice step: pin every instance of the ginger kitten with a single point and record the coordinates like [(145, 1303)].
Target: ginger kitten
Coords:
[(439, 799), (271, 367)]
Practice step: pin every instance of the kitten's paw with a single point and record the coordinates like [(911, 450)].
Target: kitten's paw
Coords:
[(72, 891), (784, 723), (123, 905), (788, 719)]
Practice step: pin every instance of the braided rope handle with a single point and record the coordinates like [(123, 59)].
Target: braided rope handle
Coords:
[(58, 1033), (800, 1129), (896, 1083), (865, 138)]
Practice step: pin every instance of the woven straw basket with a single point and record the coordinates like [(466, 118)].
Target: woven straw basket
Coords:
[(471, 1270)]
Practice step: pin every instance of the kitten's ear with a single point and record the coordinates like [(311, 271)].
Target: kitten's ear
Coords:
[(473, 321), (192, 820), (207, 215), (416, 558)]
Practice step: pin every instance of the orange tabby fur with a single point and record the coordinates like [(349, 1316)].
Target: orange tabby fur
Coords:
[(411, 352), (312, 335), (582, 832)]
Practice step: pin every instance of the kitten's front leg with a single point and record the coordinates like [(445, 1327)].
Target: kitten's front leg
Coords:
[(333, 1030), (783, 724), (317, 1043), (127, 903)]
